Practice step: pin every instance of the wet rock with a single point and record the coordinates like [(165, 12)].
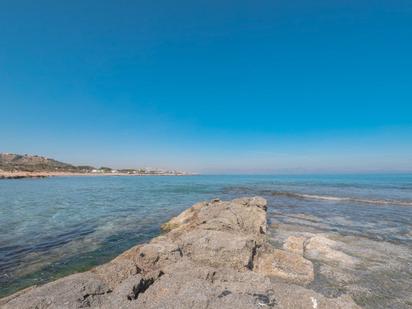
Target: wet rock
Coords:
[(341, 276), (214, 255), (296, 297), (322, 248), (294, 244)]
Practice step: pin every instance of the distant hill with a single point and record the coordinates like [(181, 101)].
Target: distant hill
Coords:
[(11, 163), (32, 163)]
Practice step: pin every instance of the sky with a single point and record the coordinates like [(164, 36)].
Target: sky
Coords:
[(209, 86)]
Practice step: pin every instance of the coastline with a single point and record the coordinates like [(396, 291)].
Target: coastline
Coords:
[(213, 255), (66, 225), (22, 175)]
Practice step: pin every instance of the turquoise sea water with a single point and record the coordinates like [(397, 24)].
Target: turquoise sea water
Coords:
[(55, 226)]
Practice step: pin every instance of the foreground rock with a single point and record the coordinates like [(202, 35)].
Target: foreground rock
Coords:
[(215, 255), (282, 264)]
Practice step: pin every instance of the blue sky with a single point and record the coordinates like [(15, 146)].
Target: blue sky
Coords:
[(209, 86)]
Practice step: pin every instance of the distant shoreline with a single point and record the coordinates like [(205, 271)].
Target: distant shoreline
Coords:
[(23, 175), (16, 166)]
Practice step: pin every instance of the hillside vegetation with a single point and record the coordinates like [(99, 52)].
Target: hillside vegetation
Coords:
[(33, 163), (12, 163)]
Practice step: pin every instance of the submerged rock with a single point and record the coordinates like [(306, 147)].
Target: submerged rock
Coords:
[(322, 248), (295, 244), (214, 255)]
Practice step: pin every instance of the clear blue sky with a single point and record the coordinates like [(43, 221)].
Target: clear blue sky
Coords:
[(209, 86)]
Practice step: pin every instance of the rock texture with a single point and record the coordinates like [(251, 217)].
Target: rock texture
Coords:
[(288, 266), (324, 249), (295, 244), (214, 255)]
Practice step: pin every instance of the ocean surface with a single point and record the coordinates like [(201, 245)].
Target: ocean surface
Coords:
[(56, 226)]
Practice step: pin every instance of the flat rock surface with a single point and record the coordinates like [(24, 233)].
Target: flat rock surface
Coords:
[(214, 255)]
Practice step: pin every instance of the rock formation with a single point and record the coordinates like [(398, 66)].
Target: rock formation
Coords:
[(214, 255)]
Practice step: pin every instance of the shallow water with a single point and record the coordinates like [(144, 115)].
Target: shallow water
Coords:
[(56, 226)]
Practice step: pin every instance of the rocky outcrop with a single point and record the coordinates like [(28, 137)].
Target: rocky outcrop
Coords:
[(214, 255)]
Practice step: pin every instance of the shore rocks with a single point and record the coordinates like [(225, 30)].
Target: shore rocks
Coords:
[(219, 249), (322, 248), (294, 244), (285, 265), (214, 255), (21, 175)]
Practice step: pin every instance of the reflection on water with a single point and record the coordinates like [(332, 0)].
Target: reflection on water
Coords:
[(52, 227)]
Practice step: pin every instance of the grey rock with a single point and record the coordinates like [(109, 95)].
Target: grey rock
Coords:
[(214, 255), (216, 248), (285, 265), (75, 291)]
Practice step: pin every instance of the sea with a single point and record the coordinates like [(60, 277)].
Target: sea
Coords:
[(56, 226)]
